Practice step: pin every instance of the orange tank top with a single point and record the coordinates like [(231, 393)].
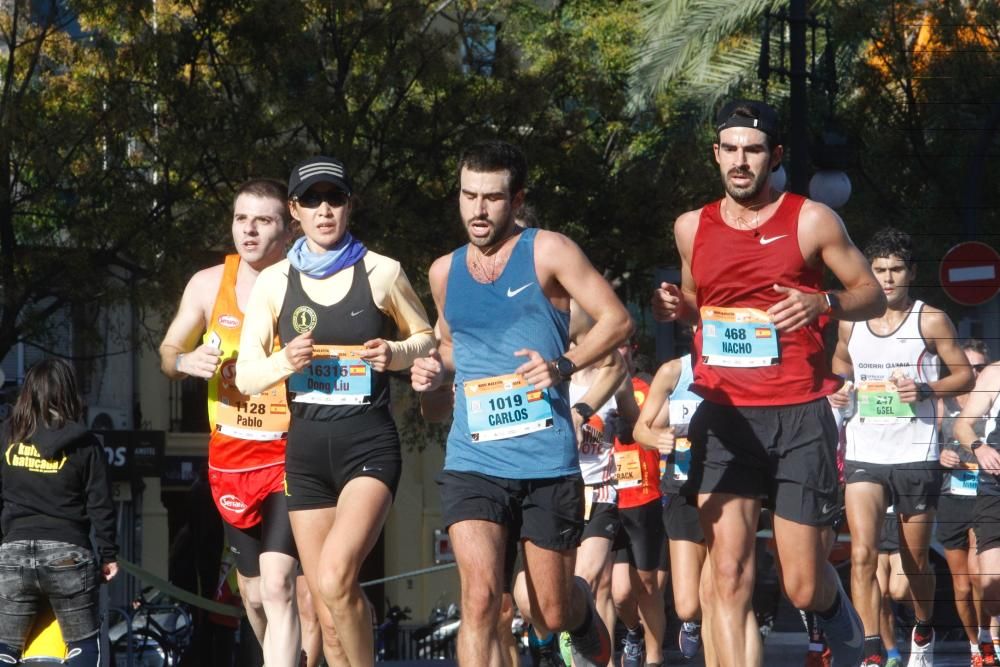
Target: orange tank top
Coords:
[(637, 468), (248, 432)]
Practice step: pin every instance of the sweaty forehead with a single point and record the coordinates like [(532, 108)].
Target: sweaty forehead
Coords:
[(485, 181), (742, 136)]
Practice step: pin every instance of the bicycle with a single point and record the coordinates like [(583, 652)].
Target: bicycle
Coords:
[(155, 634)]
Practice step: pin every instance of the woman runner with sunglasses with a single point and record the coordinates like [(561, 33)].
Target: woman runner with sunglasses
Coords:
[(345, 316)]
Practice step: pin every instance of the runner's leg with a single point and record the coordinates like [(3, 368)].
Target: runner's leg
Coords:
[(479, 553)]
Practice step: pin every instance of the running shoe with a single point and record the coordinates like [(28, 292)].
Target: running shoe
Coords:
[(633, 654), (823, 658), (847, 637), (689, 639), (548, 657), (594, 648), (977, 660), (921, 656), (989, 656), (877, 661), (564, 648)]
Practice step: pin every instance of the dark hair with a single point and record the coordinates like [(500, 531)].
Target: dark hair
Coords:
[(48, 397), (890, 241), (976, 345), (269, 188), (490, 156)]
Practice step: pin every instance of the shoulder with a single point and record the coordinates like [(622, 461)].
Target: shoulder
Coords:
[(549, 241), (932, 318), (989, 379), (686, 226), (440, 267), (205, 283), (669, 373), (276, 273), (379, 267), (817, 218)]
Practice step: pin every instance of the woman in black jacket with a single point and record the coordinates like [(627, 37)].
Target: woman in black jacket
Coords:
[(54, 490)]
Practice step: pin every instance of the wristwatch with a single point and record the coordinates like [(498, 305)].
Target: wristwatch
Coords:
[(976, 444), (832, 302), (924, 391), (584, 410), (564, 367)]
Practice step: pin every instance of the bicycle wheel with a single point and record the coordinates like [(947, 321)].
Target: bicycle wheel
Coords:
[(147, 650)]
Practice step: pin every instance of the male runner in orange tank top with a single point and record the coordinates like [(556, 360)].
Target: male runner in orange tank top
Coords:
[(751, 272), (247, 443)]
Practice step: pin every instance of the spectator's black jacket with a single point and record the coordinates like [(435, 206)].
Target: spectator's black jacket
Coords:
[(55, 487)]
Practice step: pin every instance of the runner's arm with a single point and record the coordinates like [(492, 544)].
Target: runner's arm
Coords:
[(189, 324), (862, 297), (437, 368), (406, 310), (977, 405), (563, 260), (937, 327), (654, 417), (611, 372), (680, 303), (256, 367)]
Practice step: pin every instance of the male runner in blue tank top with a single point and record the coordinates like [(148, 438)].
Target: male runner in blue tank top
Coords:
[(511, 463)]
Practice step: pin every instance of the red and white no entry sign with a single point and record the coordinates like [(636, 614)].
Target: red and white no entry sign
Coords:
[(970, 273)]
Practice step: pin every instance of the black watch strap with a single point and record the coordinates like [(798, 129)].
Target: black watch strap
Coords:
[(976, 444), (584, 410), (924, 391)]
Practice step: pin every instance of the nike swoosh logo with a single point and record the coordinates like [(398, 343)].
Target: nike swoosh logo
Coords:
[(765, 241), (355, 313), (517, 291)]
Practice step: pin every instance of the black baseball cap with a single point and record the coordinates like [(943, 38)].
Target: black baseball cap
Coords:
[(319, 169), (750, 113)]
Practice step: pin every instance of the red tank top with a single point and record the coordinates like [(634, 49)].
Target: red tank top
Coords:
[(638, 468), (248, 432), (734, 268)]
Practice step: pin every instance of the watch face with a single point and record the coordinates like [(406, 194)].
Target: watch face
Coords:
[(565, 366)]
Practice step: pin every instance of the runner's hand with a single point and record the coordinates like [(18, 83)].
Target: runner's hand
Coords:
[(842, 397), (989, 459), (907, 389), (797, 309), (578, 423), (536, 371), (201, 362), (378, 354), (667, 302), (427, 372), (299, 350), (109, 570), (665, 441), (949, 458)]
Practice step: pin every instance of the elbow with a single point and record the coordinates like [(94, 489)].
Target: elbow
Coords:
[(626, 328), (878, 304)]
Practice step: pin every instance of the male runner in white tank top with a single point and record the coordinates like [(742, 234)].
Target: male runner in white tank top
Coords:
[(892, 449)]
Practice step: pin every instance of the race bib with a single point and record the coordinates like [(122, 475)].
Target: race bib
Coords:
[(505, 406), (878, 403), (682, 459), (262, 417), (335, 376), (963, 482), (738, 337), (628, 469), (680, 413)]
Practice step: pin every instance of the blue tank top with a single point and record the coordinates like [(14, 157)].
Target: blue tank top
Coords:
[(488, 323), (675, 467)]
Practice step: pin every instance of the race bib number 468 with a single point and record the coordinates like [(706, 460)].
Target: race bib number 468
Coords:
[(505, 406), (738, 337)]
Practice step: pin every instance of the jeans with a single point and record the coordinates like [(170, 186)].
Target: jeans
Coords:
[(33, 571)]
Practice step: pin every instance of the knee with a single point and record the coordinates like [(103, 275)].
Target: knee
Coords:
[(336, 585), (480, 604), (250, 592), (962, 586), (276, 589), (801, 592), (864, 559), (731, 578), (688, 609)]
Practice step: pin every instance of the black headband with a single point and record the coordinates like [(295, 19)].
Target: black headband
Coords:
[(763, 117)]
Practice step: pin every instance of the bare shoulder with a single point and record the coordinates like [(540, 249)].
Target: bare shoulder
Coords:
[(203, 286), (821, 221), (548, 241), (685, 228), (933, 318), (438, 273), (989, 378)]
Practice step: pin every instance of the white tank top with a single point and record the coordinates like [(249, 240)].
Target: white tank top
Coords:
[(882, 429), (596, 461)]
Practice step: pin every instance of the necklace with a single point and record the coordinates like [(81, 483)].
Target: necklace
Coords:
[(743, 222), (498, 259)]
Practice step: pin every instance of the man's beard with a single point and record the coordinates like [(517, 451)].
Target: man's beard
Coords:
[(748, 193)]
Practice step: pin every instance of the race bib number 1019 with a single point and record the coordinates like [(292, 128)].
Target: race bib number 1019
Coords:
[(504, 407)]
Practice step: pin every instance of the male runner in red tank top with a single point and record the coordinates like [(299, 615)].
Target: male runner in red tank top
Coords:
[(247, 443), (751, 272)]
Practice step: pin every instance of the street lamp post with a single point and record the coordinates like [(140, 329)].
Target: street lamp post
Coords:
[(798, 138)]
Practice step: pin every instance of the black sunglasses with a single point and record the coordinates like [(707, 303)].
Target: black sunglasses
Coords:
[(334, 198)]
